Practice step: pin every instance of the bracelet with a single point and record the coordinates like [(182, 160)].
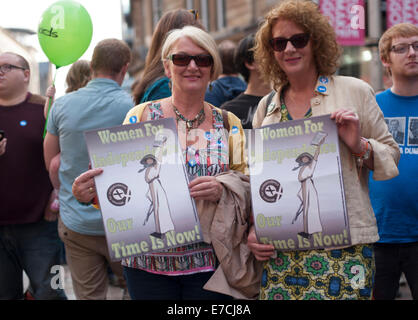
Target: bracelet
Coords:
[(361, 154)]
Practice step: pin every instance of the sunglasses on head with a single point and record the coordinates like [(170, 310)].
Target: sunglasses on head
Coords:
[(299, 41), (201, 60)]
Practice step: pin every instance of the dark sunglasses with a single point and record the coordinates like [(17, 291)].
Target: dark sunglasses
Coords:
[(201, 60), (299, 41)]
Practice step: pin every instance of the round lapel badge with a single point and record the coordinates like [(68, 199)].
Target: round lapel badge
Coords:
[(133, 119), (208, 135), (321, 89), (323, 80)]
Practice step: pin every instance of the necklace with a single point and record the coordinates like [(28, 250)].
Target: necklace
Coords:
[(285, 112), (190, 123)]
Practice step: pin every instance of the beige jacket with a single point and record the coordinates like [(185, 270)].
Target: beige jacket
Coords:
[(337, 92), (225, 226)]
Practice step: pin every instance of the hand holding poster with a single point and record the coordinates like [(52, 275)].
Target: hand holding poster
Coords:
[(296, 185), (138, 199)]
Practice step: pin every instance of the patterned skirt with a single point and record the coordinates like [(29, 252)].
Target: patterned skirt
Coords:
[(342, 274)]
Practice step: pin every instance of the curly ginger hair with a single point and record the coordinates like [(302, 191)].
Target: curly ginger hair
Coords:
[(305, 14)]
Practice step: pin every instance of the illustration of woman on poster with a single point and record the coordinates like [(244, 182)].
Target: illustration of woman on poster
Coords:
[(156, 193), (308, 194)]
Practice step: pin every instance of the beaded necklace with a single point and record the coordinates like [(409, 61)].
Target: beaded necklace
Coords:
[(190, 123)]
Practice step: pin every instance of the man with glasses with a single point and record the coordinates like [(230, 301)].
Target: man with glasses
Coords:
[(394, 201), (27, 241)]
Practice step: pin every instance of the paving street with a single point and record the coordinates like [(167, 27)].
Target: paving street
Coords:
[(117, 293), (113, 293)]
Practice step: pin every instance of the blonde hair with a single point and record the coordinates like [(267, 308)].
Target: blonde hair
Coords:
[(78, 75), (404, 30), (201, 38), (306, 14)]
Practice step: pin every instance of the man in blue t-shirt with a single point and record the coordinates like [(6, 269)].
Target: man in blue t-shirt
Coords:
[(395, 201), (102, 103)]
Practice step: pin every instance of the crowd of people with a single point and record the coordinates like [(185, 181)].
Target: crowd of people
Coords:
[(284, 72)]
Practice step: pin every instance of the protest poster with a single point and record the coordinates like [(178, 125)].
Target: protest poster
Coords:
[(143, 190), (296, 185)]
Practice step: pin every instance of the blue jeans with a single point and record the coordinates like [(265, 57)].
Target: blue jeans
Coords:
[(34, 248), (144, 285), (391, 260)]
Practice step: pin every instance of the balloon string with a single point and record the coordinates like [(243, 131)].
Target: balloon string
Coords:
[(49, 104)]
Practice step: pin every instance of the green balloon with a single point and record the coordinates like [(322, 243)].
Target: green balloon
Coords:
[(65, 32)]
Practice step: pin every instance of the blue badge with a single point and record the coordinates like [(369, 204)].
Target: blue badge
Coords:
[(133, 119), (322, 89), (192, 162), (323, 80), (23, 123), (234, 129), (208, 136)]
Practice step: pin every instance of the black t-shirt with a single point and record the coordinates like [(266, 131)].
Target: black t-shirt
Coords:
[(24, 182), (244, 107)]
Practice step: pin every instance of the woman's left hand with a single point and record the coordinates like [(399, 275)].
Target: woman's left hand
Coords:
[(348, 126), (206, 188)]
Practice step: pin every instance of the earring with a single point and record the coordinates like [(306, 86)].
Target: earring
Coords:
[(170, 85), (210, 87)]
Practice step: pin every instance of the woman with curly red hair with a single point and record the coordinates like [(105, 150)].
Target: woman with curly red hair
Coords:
[(297, 50)]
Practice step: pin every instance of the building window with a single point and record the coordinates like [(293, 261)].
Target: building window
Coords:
[(211, 13), (190, 4), (221, 14), (204, 13), (157, 9)]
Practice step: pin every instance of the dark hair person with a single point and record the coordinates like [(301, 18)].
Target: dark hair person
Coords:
[(153, 84)]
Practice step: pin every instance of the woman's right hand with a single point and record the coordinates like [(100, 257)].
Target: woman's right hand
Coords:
[(84, 189), (262, 252)]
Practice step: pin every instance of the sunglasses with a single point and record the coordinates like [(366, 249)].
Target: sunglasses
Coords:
[(299, 41), (201, 60)]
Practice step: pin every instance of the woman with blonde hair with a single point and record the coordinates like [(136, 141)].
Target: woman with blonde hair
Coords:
[(214, 159), (297, 50)]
